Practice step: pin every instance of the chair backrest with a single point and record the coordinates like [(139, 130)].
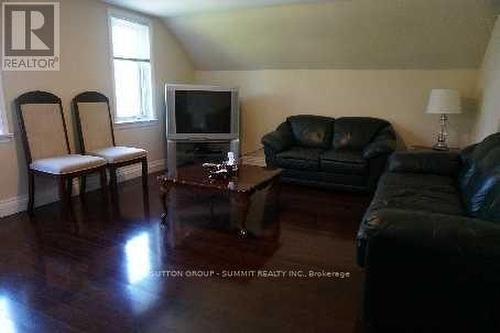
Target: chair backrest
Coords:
[(43, 128), (93, 121)]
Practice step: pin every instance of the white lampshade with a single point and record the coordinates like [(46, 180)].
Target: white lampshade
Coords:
[(443, 101)]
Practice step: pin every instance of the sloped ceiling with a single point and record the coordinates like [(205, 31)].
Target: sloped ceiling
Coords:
[(168, 8), (341, 34)]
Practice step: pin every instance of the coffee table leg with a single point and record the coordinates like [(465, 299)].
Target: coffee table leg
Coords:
[(242, 203)]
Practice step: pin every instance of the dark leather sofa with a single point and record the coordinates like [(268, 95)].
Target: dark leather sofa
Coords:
[(430, 243), (349, 153)]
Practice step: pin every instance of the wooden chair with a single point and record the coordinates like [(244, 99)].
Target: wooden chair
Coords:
[(95, 131), (46, 145)]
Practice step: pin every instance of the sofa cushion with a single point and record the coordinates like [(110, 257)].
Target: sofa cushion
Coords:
[(299, 158), (429, 181), (444, 201), (342, 161), (324, 179), (425, 162), (356, 132), (312, 131), (424, 193), (413, 193)]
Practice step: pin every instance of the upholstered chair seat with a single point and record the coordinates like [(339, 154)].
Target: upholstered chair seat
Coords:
[(119, 154), (67, 164)]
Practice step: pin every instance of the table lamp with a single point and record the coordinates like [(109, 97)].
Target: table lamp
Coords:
[(443, 102)]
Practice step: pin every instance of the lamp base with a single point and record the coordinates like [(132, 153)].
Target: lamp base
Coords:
[(441, 143), (441, 146)]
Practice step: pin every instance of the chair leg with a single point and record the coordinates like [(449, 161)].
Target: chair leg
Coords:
[(63, 194), (112, 178), (62, 189), (114, 194), (66, 193), (83, 185), (69, 184), (145, 190), (31, 193), (145, 174), (103, 180)]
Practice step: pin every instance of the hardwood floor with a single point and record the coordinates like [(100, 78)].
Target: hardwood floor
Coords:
[(106, 270)]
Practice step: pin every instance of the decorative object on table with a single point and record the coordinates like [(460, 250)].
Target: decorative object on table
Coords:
[(443, 102), (232, 162), (224, 170)]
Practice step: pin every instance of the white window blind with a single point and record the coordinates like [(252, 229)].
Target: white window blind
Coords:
[(132, 70)]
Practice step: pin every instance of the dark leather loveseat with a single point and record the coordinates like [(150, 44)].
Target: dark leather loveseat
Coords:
[(430, 243), (349, 152)]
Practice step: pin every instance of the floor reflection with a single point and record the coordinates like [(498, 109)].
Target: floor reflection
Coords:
[(138, 254), (191, 214), (6, 321)]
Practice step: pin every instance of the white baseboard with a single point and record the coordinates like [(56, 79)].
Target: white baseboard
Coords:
[(46, 196)]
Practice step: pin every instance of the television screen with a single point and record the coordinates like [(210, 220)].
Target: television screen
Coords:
[(198, 111)]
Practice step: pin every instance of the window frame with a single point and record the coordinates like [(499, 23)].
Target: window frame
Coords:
[(127, 16), (5, 134)]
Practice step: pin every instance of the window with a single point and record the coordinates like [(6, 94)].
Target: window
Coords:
[(132, 70), (4, 128)]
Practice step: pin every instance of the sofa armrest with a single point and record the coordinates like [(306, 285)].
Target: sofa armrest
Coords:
[(379, 147), (384, 143), (439, 163), (432, 270), (280, 139)]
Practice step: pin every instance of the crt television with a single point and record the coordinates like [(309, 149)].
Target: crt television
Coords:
[(202, 112)]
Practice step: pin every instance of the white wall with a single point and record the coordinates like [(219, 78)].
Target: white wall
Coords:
[(85, 65), (400, 96), (488, 119)]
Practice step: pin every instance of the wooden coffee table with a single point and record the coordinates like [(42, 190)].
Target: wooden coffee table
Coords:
[(241, 187)]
